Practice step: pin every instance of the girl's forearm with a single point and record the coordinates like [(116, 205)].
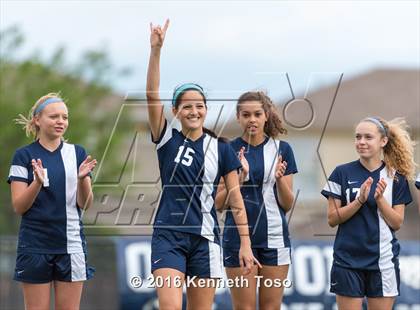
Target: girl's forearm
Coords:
[(338, 215), (391, 217), (285, 194), (25, 200), (153, 74), (84, 193)]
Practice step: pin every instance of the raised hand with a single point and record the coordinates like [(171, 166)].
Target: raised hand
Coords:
[(244, 163), (380, 189), (38, 170), (157, 34), (280, 167), (86, 166), (365, 190)]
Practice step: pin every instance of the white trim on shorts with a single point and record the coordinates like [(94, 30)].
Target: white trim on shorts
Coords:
[(78, 267), (215, 260), (283, 256)]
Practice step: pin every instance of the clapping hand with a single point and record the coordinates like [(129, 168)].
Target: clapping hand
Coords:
[(86, 167), (365, 190), (380, 189), (244, 163), (38, 170), (280, 167)]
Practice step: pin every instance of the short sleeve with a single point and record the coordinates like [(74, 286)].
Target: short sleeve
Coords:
[(417, 183), (289, 157), (401, 191), (164, 137), (333, 186), (19, 168), (228, 161)]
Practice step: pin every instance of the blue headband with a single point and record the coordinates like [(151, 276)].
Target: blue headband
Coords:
[(377, 123), (47, 102), (185, 87)]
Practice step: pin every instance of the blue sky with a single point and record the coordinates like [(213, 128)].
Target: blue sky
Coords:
[(229, 47)]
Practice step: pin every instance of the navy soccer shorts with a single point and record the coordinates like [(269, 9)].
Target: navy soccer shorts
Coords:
[(190, 254), (360, 283), (266, 256), (44, 268)]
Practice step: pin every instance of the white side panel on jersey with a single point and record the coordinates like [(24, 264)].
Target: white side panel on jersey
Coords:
[(78, 267), (418, 178), (18, 171), (211, 159), (166, 136), (274, 223), (333, 187), (74, 241), (215, 260), (389, 280)]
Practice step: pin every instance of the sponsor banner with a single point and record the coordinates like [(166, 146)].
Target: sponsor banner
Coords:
[(307, 285)]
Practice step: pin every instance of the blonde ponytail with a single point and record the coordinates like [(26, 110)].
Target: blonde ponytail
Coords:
[(399, 151), (28, 123)]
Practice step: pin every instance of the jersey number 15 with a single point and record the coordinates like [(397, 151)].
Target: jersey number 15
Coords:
[(187, 159)]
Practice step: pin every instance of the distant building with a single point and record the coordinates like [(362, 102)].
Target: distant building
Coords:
[(386, 93)]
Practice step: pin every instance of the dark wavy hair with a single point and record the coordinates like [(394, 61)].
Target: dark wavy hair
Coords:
[(274, 126)]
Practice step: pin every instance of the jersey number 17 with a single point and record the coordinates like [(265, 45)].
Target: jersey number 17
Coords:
[(353, 191)]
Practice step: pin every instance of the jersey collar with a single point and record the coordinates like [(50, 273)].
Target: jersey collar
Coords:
[(374, 171), (186, 139), (255, 146), (48, 151)]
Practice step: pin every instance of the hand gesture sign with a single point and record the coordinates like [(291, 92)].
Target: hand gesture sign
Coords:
[(280, 167), (38, 170), (86, 166), (365, 190), (244, 163), (157, 34), (380, 189)]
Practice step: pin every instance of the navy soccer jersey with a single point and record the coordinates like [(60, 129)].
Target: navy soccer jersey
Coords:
[(417, 183), (52, 225), (266, 218), (365, 241), (190, 172)]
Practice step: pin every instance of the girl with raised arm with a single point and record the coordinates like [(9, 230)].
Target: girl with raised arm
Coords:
[(185, 240)]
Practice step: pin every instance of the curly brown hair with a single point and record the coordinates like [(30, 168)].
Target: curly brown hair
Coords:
[(274, 126)]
